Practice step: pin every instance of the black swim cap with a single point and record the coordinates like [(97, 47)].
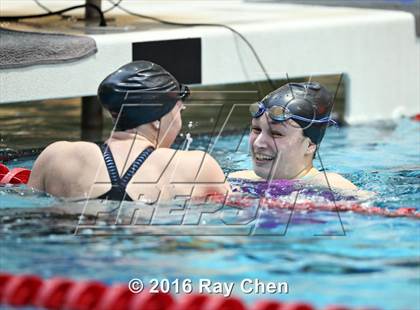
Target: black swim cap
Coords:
[(146, 90), (310, 100)]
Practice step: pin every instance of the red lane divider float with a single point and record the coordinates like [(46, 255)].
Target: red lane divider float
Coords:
[(271, 203), (53, 293), (62, 293), (14, 176), (21, 176), (21, 290), (416, 117)]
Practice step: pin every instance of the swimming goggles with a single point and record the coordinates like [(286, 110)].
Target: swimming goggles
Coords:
[(184, 92), (281, 114)]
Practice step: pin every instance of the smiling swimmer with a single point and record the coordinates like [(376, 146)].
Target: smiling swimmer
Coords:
[(287, 128), (145, 102)]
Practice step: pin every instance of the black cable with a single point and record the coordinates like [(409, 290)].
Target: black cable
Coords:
[(42, 6), (101, 14), (114, 5), (165, 22)]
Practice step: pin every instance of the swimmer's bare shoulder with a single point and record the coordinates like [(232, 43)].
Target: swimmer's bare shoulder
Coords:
[(335, 180), (198, 168), (43, 163), (245, 174), (59, 162), (340, 184)]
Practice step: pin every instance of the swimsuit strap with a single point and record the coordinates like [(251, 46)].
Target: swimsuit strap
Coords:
[(136, 165), (119, 184), (110, 164)]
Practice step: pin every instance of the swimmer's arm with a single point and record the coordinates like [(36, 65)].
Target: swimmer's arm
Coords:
[(359, 194), (342, 185), (211, 178), (43, 164), (36, 180), (244, 174), (336, 181)]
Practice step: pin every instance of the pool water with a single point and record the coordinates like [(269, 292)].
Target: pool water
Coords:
[(350, 259)]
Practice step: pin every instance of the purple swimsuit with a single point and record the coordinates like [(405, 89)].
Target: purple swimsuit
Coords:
[(285, 187)]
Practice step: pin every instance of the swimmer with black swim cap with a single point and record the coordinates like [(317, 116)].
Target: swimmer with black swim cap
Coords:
[(136, 162), (287, 127)]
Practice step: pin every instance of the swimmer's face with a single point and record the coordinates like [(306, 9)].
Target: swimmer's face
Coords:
[(170, 125), (279, 150)]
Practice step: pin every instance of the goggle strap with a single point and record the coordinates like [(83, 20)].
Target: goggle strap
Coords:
[(317, 121)]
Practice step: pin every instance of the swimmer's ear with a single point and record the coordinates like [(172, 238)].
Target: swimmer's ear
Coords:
[(311, 148), (156, 125)]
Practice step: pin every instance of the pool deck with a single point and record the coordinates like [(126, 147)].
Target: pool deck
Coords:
[(377, 51), (411, 6)]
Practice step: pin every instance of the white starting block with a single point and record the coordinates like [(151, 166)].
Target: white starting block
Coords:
[(377, 51)]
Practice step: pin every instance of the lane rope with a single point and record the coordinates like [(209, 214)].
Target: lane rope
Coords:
[(62, 293), (14, 176), (309, 206)]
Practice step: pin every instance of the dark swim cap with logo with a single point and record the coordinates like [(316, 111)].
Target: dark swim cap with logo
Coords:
[(140, 92), (309, 100)]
